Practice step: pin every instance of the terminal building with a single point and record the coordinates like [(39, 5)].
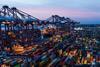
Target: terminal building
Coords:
[(88, 30)]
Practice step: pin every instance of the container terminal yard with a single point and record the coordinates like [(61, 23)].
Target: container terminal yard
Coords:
[(26, 41)]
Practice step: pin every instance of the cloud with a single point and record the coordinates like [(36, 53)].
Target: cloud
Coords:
[(61, 11)]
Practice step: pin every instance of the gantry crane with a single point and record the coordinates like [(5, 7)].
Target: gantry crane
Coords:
[(17, 26)]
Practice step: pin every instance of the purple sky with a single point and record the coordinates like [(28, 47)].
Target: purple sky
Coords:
[(84, 11)]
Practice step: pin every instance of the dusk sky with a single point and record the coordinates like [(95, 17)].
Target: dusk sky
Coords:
[(84, 11)]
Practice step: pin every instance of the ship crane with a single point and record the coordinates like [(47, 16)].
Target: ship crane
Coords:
[(19, 24), (62, 23)]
